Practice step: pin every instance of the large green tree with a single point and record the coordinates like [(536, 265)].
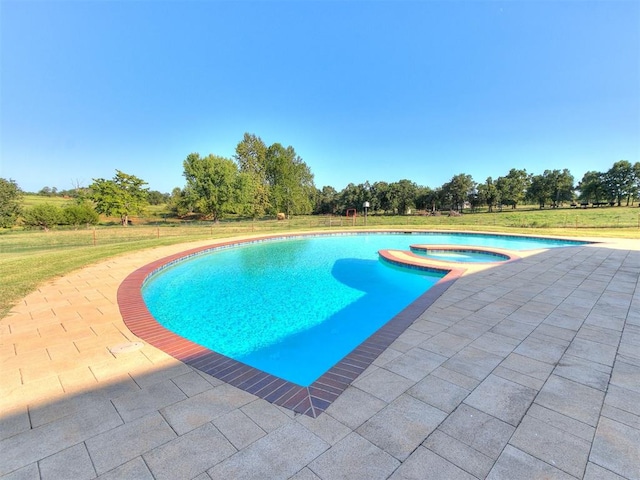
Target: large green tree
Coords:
[(369, 195), (122, 196), (620, 181), (353, 197), (561, 184), (404, 193), (251, 157), (10, 202), (539, 190), (636, 174), (512, 188), (456, 191), (326, 201), (48, 192), (211, 184), (488, 193), (553, 186), (178, 202), (428, 199), (290, 181), (381, 197), (252, 195), (592, 187), (155, 197)]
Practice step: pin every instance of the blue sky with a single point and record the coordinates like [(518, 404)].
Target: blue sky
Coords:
[(363, 90)]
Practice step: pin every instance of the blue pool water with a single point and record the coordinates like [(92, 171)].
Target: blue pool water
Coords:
[(296, 307)]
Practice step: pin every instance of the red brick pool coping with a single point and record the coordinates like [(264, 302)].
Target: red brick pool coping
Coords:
[(311, 400)]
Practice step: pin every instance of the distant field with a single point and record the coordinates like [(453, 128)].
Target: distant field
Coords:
[(624, 221), (32, 200), (526, 216), (31, 257)]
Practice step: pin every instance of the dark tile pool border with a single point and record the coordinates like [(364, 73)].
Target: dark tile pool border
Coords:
[(311, 400)]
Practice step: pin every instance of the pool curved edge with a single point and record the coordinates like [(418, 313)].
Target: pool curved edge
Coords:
[(500, 254), (409, 259), (311, 400)]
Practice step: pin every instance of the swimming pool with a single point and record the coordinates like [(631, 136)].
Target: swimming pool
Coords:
[(295, 307)]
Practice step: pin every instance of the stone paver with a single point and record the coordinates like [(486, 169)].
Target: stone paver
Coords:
[(514, 463), (565, 451), (239, 429), (354, 458), (202, 408), (135, 468), (439, 393), (460, 454), (502, 399), (74, 462), (480, 431), (402, 426), (189, 455), (527, 370), (121, 444), (572, 399), (425, 464), (473, 362), (148, 400), (40, 442), (617, 448), (384, 384), (280, 454)]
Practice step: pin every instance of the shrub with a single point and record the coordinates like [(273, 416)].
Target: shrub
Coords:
[(80, 214), (44, 216)]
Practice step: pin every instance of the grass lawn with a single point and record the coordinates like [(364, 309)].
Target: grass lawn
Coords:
[(30, 257), (29, 201)]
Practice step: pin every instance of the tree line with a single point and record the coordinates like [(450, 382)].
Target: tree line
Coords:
[(261, 180), (553, 188), (265, 180)]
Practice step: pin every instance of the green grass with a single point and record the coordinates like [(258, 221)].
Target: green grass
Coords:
[(29, 201), (29, 258)]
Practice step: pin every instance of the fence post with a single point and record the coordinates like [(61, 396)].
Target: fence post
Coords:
[(94, 236)]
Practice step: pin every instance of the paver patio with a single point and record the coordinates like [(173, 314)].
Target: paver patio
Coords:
[(526, 370)]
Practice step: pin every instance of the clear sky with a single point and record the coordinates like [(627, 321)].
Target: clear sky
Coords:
[(363, 90)]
